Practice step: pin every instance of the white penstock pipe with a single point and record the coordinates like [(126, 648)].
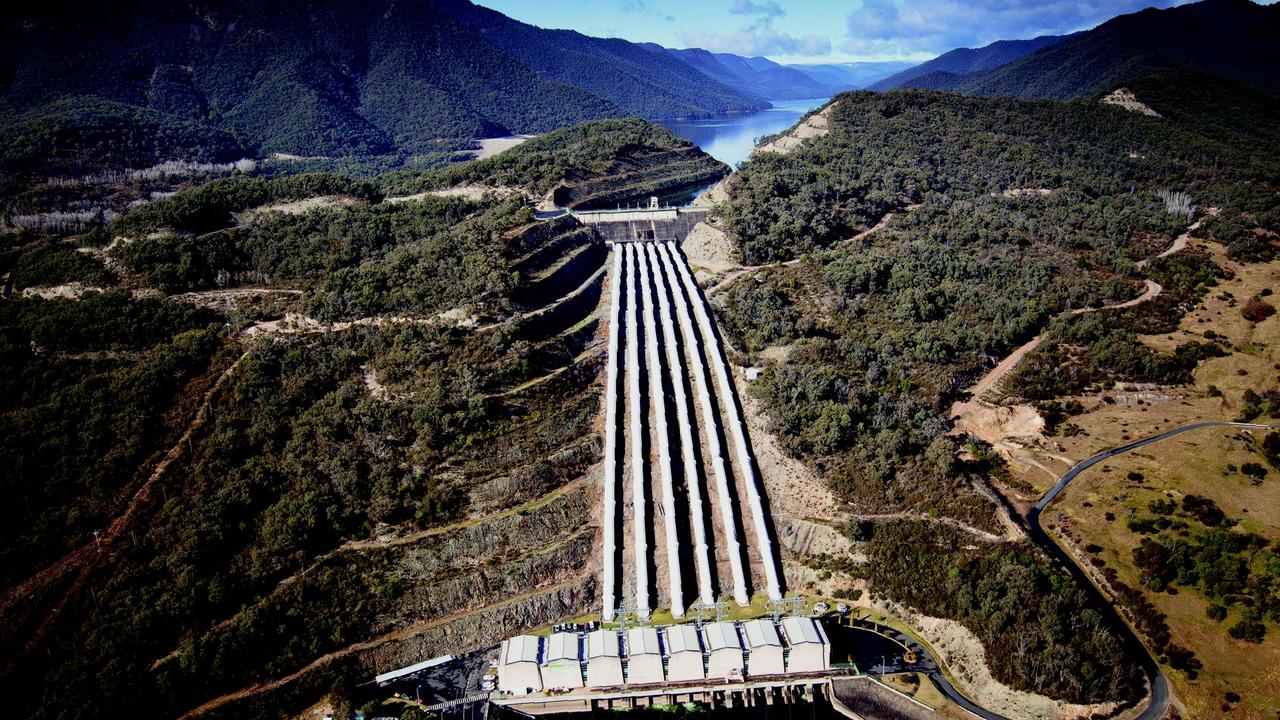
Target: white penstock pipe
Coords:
[(711, 418), (608, 576), (706, 593), (639, 513), (657, 402), (736, 429)]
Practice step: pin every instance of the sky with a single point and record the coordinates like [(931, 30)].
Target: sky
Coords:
[(811, 31)]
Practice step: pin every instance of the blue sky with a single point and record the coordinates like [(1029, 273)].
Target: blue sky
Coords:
[(818, 30)]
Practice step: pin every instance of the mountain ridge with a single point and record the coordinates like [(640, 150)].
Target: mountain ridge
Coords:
[(382, 77), (1235, 39), (962, 61)]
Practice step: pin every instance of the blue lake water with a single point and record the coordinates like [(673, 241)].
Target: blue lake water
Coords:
[(731, 138)]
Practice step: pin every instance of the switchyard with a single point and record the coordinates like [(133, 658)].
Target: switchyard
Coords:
[(684, 518)]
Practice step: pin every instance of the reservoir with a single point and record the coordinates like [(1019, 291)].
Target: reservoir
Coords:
[(730, 138)]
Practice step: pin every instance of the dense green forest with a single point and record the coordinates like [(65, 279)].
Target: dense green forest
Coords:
[(1229, 38), (90, 86), (1006, 214), (1039, 629)]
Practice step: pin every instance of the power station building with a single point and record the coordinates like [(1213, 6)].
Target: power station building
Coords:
[(644, 656), (764, 648), (677, 654), (518, 671), (810, 651), (562, 661), (684, 654), (724, 650), (604, 659)]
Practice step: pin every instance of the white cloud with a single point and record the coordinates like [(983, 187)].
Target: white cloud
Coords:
[(886, 27), (765, 41), (767, 10), (759, 37)]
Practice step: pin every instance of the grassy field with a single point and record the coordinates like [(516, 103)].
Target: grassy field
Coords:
[(1096, 506), (1119, 416)]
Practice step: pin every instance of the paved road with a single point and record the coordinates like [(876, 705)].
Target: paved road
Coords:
[(1086, 464), (926, 663), (1159, 702)]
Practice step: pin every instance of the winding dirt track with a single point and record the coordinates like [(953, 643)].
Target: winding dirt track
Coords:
[(997, 373), (751, 269)]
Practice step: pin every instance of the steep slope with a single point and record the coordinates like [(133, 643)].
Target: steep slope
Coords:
[(962, 61), (399, 467), (1232, 38), (851, 75), (590, 165), (755, 76), (336, 80), (624, 73)]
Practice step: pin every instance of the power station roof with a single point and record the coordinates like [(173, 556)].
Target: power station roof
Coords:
[(803, 630), (521, 648), (603, 643), (642, 641), (761, 633), (683, 638), (721, 635), (561, 646)]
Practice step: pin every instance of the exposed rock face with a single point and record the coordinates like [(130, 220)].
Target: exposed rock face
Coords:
[(707, 246), (1124, 97), (816, 125)]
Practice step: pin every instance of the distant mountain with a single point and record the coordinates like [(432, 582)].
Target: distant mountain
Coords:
[(851, 75), (1235, 39), (962, 61), (324, 78), (624, 73), (755, 76)]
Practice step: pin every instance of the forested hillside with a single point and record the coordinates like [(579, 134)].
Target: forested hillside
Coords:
[(289, 433), (599, 164), (963, 61), (756, 76), (1238, 39), (1005, 214), (339, 79)]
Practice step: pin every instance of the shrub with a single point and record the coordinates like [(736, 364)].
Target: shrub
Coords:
[(1257, 310)]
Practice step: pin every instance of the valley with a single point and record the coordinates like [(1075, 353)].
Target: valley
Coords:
[(410, 359)]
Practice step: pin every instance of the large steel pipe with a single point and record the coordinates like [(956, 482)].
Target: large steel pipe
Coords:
[(750, 477), (711, 418), (684, 420), (657, 403), (609, 542), (639, 513)]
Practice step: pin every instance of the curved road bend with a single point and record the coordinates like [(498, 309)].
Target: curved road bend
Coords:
[(1159, 702)]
